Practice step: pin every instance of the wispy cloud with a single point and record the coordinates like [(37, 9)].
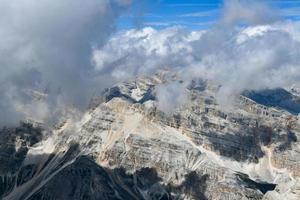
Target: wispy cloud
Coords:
[(284, 2), (192, 4), (159, 24), (208, 13), (204, 24), (146, 15), (290, 12)]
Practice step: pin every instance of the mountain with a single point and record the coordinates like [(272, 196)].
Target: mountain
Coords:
[(278, 97), (124, 147)]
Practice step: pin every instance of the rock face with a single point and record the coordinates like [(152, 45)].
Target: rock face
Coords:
[(125, 148)]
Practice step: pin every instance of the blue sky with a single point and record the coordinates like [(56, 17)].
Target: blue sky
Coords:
[(193, 14)]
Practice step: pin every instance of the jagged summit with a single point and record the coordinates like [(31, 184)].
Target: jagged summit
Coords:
[(124, 147)]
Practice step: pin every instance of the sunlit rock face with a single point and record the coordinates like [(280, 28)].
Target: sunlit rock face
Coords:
[(124, 147)]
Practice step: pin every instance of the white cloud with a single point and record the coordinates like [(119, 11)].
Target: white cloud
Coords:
[(145, 51), (47, 44), (263, 54), (171, 96)]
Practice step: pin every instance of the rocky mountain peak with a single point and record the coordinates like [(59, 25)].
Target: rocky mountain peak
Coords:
[(124, 147)]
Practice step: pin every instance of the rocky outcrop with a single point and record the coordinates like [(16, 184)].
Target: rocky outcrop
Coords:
[(125, 148)]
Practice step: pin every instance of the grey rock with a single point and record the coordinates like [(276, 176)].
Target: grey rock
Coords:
[(125, 148)]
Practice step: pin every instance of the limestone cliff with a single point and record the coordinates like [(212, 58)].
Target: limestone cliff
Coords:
[(125, 148)]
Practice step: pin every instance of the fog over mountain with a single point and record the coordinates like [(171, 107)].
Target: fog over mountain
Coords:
[(65, 50), (46, 46)]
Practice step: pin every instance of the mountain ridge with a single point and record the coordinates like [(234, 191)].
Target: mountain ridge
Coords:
[(196, 152)]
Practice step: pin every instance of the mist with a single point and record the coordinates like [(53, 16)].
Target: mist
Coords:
[(55, 55), (46, 50)]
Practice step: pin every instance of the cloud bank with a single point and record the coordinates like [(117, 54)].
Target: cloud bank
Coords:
[(55, 54), (250, 47), (45, 51)]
